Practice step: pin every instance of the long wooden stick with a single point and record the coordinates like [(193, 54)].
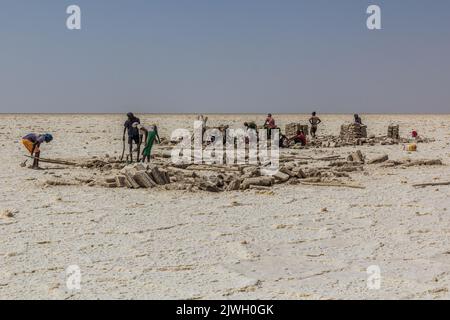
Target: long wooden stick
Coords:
[(53, 161), (123, 151), (331, 184), (431, 184), (292, 158)]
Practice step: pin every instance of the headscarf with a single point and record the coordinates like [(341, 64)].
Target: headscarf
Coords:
[(48, 137)]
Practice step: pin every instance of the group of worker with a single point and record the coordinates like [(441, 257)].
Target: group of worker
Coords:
[(300, 136), (147, 136), (139, 134)]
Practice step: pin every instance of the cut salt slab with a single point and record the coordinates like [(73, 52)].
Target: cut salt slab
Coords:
[(144, 180), (158, 176), (281, 177), (380, 159), (121, 181), (234, 185), (131, 182), (259, 181)]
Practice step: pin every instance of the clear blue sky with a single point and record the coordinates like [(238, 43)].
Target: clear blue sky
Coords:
[(161, 56)]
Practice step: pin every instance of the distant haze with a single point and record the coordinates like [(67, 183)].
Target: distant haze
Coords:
[(225, 56)]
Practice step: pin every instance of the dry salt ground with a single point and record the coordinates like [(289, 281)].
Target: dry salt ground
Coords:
[(297, 242)]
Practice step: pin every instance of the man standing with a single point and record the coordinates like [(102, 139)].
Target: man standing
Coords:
[(314, 121), (269, 125), (131, 125), (270, 122)]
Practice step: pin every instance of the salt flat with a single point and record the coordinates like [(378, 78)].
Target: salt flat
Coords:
[(150, 244)]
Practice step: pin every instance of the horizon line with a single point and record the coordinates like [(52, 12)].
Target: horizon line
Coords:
[(217, 113)]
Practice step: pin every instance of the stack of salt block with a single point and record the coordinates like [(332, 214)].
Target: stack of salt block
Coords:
[(292, 128), (353, 131), (394, 131)]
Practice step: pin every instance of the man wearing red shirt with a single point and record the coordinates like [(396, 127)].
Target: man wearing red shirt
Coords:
[(270, 122), (300, 138)]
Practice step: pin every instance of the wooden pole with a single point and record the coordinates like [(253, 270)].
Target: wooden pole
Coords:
[(53, 161), (331, 184), (431, 184)]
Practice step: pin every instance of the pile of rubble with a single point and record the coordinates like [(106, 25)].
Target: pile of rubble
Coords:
[(138, 176), (194, 177), (294, 169), (163, 175), (218, 178)]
